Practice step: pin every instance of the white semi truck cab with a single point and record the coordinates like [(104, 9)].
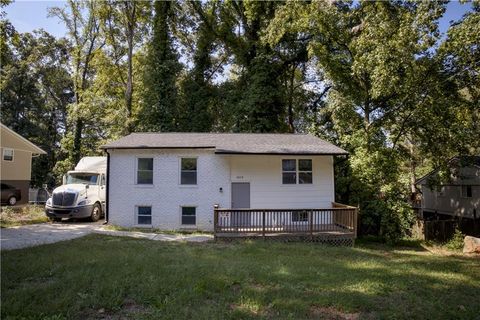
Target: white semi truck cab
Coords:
[(82, 194)]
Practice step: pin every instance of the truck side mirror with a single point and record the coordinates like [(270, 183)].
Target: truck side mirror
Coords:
[(64, 179)]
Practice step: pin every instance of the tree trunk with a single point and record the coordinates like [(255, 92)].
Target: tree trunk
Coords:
[(129, 88)]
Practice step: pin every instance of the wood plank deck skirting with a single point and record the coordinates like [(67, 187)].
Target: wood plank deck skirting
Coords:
[(338, 223)]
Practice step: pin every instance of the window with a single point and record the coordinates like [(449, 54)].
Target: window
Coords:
[(298, 216), (7, 154), (290, 172), (144, 215), (189, 215), (466, 191), (82, 178), (188, 173), (304, 171), (145, 171)]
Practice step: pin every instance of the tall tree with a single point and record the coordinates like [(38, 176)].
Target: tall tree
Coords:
[(255, 97), (376, 58), (36, 89), (198, 93), (83, 25), (460, 54), (159, 109), (124, 25)]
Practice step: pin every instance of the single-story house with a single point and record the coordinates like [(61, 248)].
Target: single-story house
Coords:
[(458, 196), (16, 164), (258, 182)]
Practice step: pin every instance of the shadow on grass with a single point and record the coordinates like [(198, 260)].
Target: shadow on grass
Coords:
[(252, 279)]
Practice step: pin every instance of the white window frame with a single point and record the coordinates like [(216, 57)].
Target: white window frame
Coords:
[(138, 215), (283, 171), (136, 171), (13, 154), (181, 216), (297, 171), (180, 172), (303, 171)]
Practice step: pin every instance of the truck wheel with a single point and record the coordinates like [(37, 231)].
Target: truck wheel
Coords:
[(96, 212), (12, 200)]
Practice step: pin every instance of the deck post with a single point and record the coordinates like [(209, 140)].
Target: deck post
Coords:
[(215, 221), (263, 224), (310, 221), (355, 219)]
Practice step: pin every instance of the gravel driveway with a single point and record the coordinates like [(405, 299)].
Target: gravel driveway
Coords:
[(37, 234)]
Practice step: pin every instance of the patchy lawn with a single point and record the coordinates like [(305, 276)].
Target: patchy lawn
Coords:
[(101, 277), (156, 230), (17, 216)]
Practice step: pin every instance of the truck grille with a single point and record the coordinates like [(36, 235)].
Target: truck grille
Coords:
[(64, 199)]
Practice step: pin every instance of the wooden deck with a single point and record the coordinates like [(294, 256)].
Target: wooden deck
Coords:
[(337, 223)]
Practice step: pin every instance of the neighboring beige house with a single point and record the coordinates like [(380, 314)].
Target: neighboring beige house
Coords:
[(459, 197), (16, 162)]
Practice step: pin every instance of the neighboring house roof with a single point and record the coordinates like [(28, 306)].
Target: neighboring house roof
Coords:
[(230, 143), (25, 145), (458, 161)]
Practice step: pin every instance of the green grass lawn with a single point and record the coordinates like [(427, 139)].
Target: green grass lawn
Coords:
[(22, 215), (101, 277)]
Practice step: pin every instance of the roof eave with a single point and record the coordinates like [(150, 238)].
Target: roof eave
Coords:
[(35, 148), (284, 153), (152, 147)]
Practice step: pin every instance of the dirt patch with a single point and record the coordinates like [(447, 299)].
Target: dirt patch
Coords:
[(330, 313)]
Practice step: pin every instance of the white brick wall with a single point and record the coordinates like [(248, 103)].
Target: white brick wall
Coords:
[(167, 195)]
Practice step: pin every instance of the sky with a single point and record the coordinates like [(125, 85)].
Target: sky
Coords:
[(27, 16)]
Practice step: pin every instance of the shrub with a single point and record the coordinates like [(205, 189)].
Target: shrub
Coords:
[(456, 242)]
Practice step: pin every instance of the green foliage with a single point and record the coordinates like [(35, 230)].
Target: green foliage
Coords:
[(36, 89), (159, 110), (373, 77), (198, 94), (391, 103), (456, 243), (17, 216)]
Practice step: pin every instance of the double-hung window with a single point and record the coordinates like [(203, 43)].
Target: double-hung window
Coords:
[(188, 174), (189, 215), (297, 171), (145, 171), (144, 215), (305, 171), (289, 171), (8, 154)]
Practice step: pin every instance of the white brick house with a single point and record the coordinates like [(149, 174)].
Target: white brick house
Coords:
[(172, 181)]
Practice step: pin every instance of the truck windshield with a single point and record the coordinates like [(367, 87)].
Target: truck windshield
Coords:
[(85, 178)]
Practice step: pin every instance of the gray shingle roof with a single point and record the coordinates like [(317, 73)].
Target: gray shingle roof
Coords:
[(229, 143)]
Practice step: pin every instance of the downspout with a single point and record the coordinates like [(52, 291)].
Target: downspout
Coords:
[(107, 196)]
